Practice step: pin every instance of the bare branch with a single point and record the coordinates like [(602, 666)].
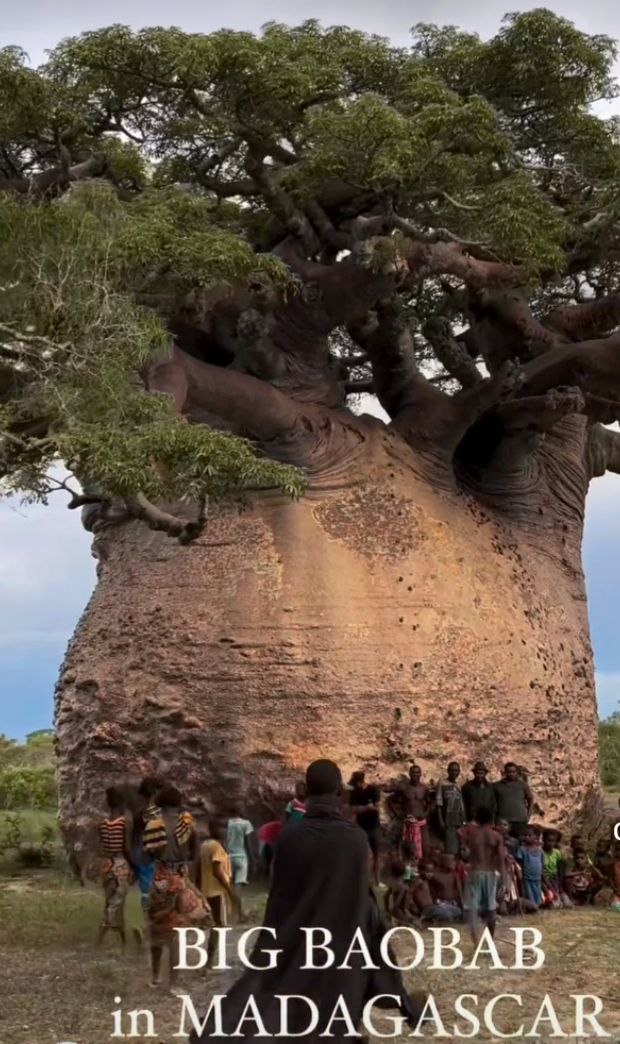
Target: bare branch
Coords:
[(455, 258), (593, 366), (603, 451), (251, 404), (387, 340), (57, 179), (282, 207), (586, 320), (540, 413), (184, 530), (452, 354)]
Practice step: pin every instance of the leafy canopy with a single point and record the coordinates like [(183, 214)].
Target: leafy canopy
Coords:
[(495, 140)]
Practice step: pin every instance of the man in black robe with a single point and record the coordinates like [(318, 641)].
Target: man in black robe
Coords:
[(320, 880)]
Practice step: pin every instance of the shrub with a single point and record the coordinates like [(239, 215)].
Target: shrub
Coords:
[(24, 786)]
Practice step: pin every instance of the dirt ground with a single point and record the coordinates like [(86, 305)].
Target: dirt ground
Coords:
[(57, 987)]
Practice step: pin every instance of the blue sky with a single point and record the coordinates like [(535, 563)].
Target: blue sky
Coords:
[(46, 571)]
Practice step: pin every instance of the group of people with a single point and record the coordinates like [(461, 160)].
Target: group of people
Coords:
[(436, 833), (185, 880), (442, 851)]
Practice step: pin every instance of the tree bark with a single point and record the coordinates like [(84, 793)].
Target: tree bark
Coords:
[(384, 618)]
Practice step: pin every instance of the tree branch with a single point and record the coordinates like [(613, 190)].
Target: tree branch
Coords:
[(540, 413), (590, 319), (184, 530), (57, 179), (281, 205), (452, 355), (245, 402), (388, 342), (603, 451), (593, 366), (455, 258)]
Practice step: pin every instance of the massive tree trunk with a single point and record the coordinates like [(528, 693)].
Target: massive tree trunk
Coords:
[(388, 616)]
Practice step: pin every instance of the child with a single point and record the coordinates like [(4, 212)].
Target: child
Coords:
[(530, 858), (214, 879), (510, 843), (462, 863), (577, 844), (446, 883), (583, 880), (553, 870), (616, 877), (603, 859), (397, 898), (410, 861), (510, 899), (427, 906), (238, 833)]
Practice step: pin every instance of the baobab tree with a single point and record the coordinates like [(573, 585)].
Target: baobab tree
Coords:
[(213, 247)]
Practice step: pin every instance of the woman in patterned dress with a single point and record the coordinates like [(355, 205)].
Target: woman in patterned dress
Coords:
[(174, 901), (117, 874)]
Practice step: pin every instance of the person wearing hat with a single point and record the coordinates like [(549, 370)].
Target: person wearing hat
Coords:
[(479, 793)]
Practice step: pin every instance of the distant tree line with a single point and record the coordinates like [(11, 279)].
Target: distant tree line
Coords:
[(609, 743), (27, 775)]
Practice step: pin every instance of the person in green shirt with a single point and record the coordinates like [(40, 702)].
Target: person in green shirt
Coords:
[(554, 867)]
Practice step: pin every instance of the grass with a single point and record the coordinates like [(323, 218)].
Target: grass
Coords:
[(48, 926)]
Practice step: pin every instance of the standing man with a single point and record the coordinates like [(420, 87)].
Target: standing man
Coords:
[(417, 803), (478, 793), (486, 870), (320, 880), (238, 835), (365, 803), (450, 809), (514, 799)]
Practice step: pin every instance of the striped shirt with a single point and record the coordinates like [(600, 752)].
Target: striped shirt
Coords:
[(155, 836), (112, 835)]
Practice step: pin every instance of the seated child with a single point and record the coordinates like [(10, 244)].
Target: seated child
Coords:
[(397, 899), (604, 860), (582, 879), (616, 876), (410, 861), (446, 883), (428, 907), (577, 844)]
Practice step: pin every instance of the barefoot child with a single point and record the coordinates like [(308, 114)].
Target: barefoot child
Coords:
[(530, 858), (429, 908)]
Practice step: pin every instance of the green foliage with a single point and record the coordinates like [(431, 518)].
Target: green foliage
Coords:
[(23, 787), (69, 294), (29, 840), (37, 750), (494, 140), (609, 747), (27, 773), (31, 853)]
